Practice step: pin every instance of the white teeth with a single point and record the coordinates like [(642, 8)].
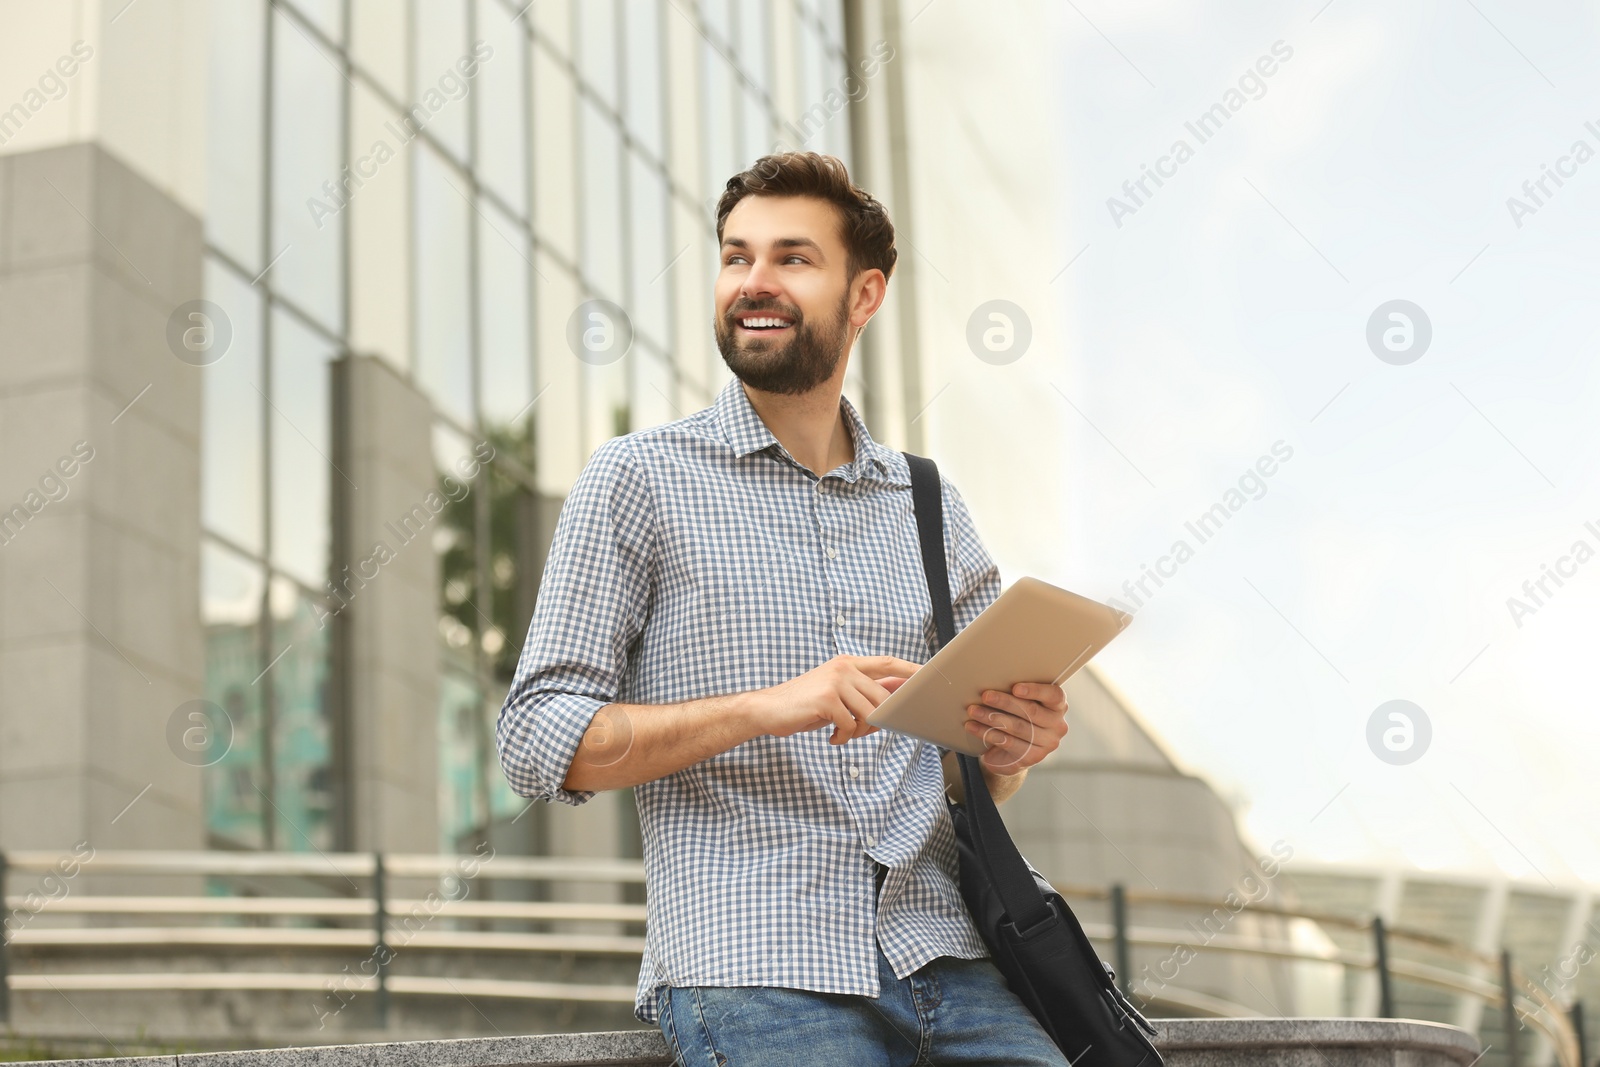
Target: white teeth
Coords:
[(751, 324)]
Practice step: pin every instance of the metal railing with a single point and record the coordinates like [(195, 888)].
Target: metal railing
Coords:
[(1522, 1000), (347, 901)]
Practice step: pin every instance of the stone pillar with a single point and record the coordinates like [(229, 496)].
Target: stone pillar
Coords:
[(388, 667), (100, 638)]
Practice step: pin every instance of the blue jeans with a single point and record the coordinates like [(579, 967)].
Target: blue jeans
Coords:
[(951, 1011)]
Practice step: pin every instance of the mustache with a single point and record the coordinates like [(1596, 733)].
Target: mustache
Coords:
[(761, 309)]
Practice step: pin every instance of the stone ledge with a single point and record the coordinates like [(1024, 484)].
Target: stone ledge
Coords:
[(1183, 1043), (1215, 1042)]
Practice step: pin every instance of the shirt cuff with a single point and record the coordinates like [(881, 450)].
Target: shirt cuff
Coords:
[(542, 745)]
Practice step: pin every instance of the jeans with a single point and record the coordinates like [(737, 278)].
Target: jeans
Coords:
[(952, 1011)]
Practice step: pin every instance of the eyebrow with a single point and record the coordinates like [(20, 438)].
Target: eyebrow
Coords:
[(782, 242)]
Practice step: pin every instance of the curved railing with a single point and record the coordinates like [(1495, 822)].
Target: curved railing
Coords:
[(351, 901), (1532, 1004)]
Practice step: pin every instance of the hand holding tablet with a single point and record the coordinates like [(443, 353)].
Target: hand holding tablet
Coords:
[(1033, 632)]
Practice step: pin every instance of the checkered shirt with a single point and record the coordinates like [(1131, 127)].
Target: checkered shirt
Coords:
[(699, 558)]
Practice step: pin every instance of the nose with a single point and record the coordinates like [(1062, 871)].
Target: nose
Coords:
[(760, 282)]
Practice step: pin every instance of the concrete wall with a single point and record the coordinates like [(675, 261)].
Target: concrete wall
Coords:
[(100, 637)]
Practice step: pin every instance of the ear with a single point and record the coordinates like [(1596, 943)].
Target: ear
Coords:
[(867, 293)]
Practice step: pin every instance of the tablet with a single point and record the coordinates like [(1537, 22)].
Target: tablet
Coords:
[(1033, 632)]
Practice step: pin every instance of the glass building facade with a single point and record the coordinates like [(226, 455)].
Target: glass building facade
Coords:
[(439, 184)]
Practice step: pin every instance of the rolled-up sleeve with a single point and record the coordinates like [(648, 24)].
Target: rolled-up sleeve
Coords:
[(592, 605)]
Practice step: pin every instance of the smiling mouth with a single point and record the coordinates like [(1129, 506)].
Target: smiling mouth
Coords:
[(764, 323)]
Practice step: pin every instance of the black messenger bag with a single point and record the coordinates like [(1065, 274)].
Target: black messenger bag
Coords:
[(1035, 940)]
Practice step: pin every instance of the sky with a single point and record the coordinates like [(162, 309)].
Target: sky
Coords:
[(1221, 320)]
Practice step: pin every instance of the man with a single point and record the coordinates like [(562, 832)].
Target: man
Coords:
[(720, 590)]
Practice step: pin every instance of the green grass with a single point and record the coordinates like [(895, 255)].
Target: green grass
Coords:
[(17, 1048)]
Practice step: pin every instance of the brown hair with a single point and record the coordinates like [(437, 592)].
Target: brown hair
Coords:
[(864, 224)]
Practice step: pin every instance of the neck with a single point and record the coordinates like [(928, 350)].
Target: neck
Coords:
[(810, 425)]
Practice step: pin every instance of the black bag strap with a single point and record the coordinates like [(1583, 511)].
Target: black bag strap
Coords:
[(927, 501), (1019, 894)]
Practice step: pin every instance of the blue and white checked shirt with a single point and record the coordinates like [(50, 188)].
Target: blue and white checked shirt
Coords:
[(697, 559)]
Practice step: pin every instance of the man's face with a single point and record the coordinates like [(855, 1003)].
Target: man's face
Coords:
[(785, 312)]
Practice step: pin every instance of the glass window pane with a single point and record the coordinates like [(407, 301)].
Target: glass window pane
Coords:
[(559, 426), (717, 103), (832, 12), (607, 413), (837, 133), (502, 144), (454, 539), (553, 20), (230, 416), (515, 549), (380, 32), (444, 367), (506, 349), (380, 232), (461, 763), (301, 431), (682, 88), (813, 108), (647, 246), (439, 91), (597, 47), (231, 588), (600, 191), (301, 734), (718, 16), (555, 150), (307, 239), (642, 73), (752, 47), (654, 391), (233, 130), (756, 125), (326, 15)]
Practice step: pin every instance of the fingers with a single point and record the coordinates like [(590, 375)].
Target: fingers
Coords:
[(1019, 728), (1018, 717), (869, 693), (844, 724), (878, 666), (859, 690), (1027, 695), (847, 716), (872, 688), (1010, 755), (1051, 696), (993, 725), (860, 701)]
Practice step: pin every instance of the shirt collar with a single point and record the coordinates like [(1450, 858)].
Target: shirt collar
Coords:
[(746, 433)]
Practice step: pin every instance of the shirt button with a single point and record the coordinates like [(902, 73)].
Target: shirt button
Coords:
[(869, 840), (838, 620), (855, 772), (832, 552)]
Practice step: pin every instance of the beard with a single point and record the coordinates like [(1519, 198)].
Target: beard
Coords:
[(801, 363)]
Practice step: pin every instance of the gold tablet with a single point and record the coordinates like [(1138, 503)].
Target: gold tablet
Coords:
[(1033, 632)]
